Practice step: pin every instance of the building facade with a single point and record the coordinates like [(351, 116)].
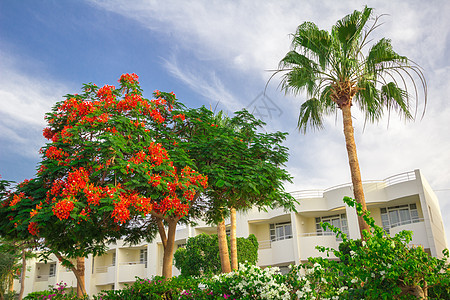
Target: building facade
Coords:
[(400, 202)]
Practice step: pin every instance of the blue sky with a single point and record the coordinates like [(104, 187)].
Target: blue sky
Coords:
[(219, 53)]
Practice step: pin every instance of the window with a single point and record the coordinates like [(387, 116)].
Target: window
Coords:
[(398, 215), (113, 259), (52, 272), (143, 257), (339, 221), (280, 231)]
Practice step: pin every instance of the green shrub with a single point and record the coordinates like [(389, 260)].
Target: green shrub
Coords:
[(157, 288), (54, 293), (201, 255)]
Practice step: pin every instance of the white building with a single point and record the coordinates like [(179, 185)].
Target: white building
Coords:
[(400, 202)]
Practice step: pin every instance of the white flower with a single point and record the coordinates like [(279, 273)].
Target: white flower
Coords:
[(352, 253), (354, 280), (364, 243), (382, 272), (342, 289), (373, 275), (389, 266)]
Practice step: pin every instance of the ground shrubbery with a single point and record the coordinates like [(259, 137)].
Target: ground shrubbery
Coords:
[(378, 267)]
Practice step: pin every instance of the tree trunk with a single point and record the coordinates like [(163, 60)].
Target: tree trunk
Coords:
[(169, 247), (223, 247), (11, 282), (414, 290), (22, 274), (354, 165), (81, 289), (233, 242), (78, 271)]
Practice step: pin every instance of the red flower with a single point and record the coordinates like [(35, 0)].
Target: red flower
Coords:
[(63, 208), (33, 228), (129, 78)]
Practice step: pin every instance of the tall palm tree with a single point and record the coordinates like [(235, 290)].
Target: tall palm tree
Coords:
[(338, 69)]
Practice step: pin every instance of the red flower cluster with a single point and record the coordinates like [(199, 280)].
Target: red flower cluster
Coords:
[(33, 228), (155, 180), (181, 116), (63, 208), (16, 199), (106, 92), (76, 181), (94, 194), (55, 153), (121, 213), (129, 78)]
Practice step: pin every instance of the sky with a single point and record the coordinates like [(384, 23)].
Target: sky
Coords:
[(221, 54)]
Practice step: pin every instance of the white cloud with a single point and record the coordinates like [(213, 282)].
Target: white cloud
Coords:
[(24, 100)]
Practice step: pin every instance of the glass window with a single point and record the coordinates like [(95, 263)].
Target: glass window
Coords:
[(339, 221), (52, 272), (143, 257), (398, 215), (280, 231)]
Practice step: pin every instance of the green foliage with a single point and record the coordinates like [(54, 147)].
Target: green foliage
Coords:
[(59, 292), (157, 288), (377, 267), (244, 166), (201, 254), (7, 264)]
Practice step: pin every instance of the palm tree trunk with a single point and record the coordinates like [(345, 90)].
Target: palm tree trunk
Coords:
[(223, 247), (354, 164), (233, 242)]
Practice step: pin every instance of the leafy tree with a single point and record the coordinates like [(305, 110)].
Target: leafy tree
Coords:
[(244, 168), (336, 71), (201, 254), (106, 174)]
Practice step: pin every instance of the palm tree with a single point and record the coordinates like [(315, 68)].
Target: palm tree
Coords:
[(336, 70)]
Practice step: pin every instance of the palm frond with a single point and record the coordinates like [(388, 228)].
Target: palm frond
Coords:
[(313, 42), (395, 98), (310, 115)]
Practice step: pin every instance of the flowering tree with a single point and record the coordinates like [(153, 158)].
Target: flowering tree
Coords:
[(111, 169)]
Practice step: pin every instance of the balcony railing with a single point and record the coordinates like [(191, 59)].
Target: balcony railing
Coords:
[(265, 244), (44, 277), (403, 223), (102, 269), (126, 263), (399, 178)]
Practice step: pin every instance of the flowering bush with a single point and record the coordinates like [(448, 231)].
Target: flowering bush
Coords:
[(58, 292), (250, 282), (377, 267)]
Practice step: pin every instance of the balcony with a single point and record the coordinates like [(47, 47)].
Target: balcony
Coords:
[(417, 226), (105, 275), (271, 253), (43, 281), (129, 270), (309, 241)]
